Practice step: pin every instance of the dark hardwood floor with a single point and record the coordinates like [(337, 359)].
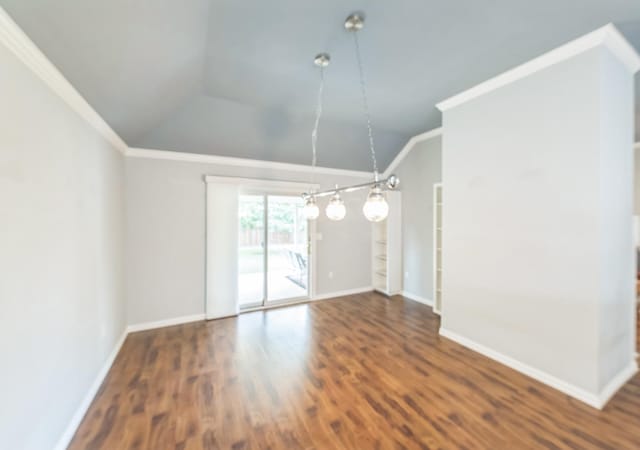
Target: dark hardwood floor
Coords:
[(362, 372)]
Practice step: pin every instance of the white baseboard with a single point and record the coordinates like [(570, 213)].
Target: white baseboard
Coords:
[(387, 293), (596, 400), (417, 298), (343, 293), (196, 317), (74, 423), (617, 382), (164, 323)]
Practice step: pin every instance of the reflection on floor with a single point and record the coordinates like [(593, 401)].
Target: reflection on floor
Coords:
[(280, 287), (360, 372)]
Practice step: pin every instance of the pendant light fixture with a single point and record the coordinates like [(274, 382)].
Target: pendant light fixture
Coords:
[(310, 209), (376, 207), (336, 209)]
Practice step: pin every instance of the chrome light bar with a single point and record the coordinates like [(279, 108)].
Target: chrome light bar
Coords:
[(389, 183)]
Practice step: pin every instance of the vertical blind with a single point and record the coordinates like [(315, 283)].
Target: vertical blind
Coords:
[(222, 250)]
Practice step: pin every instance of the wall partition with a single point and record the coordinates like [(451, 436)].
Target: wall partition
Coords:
[(538, 259)]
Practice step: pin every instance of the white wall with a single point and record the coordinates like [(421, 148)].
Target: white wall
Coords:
[(61, 259), (166, 236), (616, 343), (418, 172), (636, 183), (537, 222)]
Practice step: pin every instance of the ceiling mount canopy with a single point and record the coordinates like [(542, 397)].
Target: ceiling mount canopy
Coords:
[(322, 60), (376, 208), (355, 21)]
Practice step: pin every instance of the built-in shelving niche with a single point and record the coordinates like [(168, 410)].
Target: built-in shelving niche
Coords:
[(387, 249)]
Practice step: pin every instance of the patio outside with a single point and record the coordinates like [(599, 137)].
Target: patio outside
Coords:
[(287, 255)]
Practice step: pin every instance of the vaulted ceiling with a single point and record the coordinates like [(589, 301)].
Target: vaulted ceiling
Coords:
[(235, 78)]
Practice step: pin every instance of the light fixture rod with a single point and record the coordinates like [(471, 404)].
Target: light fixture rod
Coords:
[(355, 23), (322, 61), (390, 183)]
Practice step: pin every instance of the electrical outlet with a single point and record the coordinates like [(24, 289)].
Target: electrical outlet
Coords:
[(406, 275), (330, 275)]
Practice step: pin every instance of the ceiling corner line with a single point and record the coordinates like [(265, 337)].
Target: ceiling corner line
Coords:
[(240, 162), (607, 35), (621, 48), (18, 43), (409, 146)]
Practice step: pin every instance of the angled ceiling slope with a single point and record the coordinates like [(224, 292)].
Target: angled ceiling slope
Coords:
[(220, 77)]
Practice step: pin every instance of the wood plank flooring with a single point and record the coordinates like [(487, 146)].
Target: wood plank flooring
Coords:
[(362, 372)]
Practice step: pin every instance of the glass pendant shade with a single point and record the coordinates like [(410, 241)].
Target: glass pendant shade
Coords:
[(311, 210), (336, 209), (376, 207)]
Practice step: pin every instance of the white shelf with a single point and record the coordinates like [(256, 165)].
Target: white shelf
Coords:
[(437, 252), (386, 254)]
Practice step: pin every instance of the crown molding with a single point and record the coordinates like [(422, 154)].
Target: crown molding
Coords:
[(408, 147), (275, 185), (242, 162), (609, 36), (16, 41)]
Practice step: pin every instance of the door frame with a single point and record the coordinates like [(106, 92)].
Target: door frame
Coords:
[(255, 186)]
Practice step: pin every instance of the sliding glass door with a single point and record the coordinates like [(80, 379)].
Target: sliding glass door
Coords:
[(273, 263), (287, 254)]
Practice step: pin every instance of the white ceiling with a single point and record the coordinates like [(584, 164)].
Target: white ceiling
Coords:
[(236, 78)]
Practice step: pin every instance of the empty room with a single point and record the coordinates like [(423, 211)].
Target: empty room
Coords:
[(342, 225)]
